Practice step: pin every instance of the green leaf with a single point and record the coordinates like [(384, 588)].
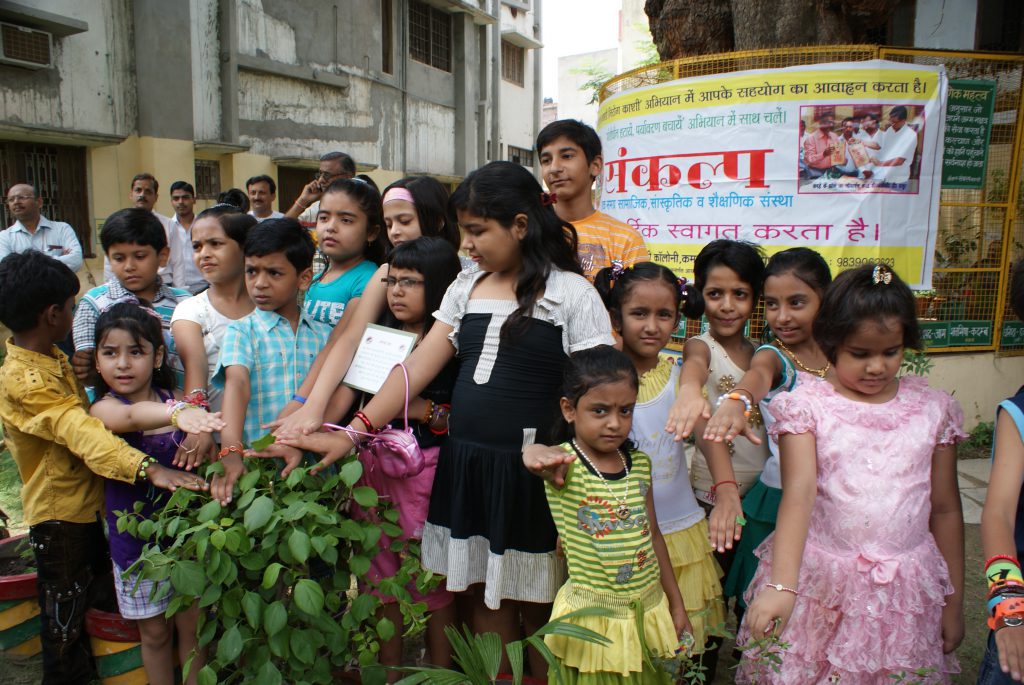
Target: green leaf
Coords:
[(218, 538), (309, 596), (188, 578), (246, 499), (350, 530), (302, 647), (209, 511), (365, 496), (252, 605), (231, 602), (386, 629), (275, 618), (298, 545), (359, 565), (248, 480), (515, 659), (145, 530), (263, 443), (278, 643), (207, 676), (268, 675), (270, 575), (351, 472), (229, 646), (210, 595), (258, 513)]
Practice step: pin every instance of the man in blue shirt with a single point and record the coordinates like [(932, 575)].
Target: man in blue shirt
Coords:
[(33, 231)]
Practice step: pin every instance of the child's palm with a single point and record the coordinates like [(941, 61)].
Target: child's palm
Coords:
[(172, 479), (302, 422), (684, 414), (729, 423), (198, 420)]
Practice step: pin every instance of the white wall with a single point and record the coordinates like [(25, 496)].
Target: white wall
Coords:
[(946, 24), (572, 102)]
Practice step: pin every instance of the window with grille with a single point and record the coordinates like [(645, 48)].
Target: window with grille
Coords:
[(520, 155), (387, 37), (513, 63), (207, 179), (430, 35)]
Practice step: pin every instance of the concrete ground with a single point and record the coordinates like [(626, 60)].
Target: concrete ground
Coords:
[(973, 476)]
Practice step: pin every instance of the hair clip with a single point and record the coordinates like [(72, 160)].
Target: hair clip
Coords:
[(548, 198), (881, 275), (681, 282), (617, 269), (132, 299)]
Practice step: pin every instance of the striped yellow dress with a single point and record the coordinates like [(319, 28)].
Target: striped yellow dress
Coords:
[(612, 565)]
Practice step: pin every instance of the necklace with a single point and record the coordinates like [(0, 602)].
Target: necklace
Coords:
[(820, 373), (622, 511)]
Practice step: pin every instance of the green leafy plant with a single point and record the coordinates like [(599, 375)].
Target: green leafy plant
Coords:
[(274, 574), (764, 653), (981, 436), (916, 363), (479, 655), (919, 676)]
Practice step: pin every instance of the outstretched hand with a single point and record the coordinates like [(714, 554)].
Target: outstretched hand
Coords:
[(171, 479), (729, 423), (292, 456), (686, 411), (550, 463), (301, 422), (198, 420), (333, 446)]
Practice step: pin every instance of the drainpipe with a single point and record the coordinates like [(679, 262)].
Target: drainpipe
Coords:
[(538, 91), (495, 152)]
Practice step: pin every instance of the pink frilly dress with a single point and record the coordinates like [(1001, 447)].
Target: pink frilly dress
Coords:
[(872, 580)]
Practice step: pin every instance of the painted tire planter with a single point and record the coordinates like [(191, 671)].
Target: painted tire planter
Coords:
[(19, 606), (116, 648)]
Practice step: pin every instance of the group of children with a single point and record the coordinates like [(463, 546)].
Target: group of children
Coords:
[(569, 462)]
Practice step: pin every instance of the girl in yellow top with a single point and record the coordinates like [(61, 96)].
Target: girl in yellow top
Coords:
[(600, 496)]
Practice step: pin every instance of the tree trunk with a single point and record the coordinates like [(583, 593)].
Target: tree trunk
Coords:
[(698, 27)]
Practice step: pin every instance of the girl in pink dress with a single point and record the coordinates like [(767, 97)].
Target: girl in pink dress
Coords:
[(863, 578)]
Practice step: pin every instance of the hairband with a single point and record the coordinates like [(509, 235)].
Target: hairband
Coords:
[(131, 299), (617, 269), (881, 275), (548, 198), (681, 284), (398, 193)]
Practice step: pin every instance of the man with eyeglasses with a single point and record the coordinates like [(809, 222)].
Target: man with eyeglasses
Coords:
[(333, 165), (33, 231)]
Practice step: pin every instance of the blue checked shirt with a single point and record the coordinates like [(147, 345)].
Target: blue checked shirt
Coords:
[(94, 302), (277, 359)]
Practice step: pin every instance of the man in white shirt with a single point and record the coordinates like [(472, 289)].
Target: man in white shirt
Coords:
[(262, 192), (143, 194), (333, 165), (33, 231), (186, 273), (899, 143)]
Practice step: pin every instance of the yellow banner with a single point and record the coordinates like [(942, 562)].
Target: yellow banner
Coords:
[(835, 85)]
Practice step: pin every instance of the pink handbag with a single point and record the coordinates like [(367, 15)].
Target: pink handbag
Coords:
[(394, 449)]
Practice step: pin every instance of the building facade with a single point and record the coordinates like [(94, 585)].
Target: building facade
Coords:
[(215, 91)]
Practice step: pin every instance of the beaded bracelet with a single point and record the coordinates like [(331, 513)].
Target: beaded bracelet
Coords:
[(146, 462), (441, 411), (429, 414), (747, 404), (782, 588)]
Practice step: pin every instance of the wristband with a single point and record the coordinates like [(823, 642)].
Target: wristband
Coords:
[(298, 398), (1003, 571), (225, 451), (713, 493), (1013, 607), (1014, 621), (366, 422), (176, 410), (1004, 557)]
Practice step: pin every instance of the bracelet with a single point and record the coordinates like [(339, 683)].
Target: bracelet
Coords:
[(366, 422), (1011, 608), (782, 588), (429, 414), (1007, 589), (146, 462), (1012, 621), (299, 203), (747, 404), (1004, 557), (225, 451), (298, 398), (198, 398), (713, 492), (175, 410), (750, 394), (442, 411), (1002, 571)]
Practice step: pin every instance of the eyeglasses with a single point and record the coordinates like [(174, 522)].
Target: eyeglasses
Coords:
[(406, 283), (325, 175), (21, 198)]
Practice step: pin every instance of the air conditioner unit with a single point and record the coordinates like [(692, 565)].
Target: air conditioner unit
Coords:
[(25, 47)]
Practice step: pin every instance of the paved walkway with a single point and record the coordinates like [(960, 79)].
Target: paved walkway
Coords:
[(973, 476)]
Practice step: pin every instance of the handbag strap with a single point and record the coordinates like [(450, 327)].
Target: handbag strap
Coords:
[(347, 429)]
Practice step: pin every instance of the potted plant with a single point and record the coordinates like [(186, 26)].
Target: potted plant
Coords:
[(19, 599)]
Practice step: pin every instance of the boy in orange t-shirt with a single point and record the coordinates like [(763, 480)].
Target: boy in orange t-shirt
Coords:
[(570, 160)]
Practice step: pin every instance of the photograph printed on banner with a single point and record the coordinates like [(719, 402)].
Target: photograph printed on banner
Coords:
[(860, 148)]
